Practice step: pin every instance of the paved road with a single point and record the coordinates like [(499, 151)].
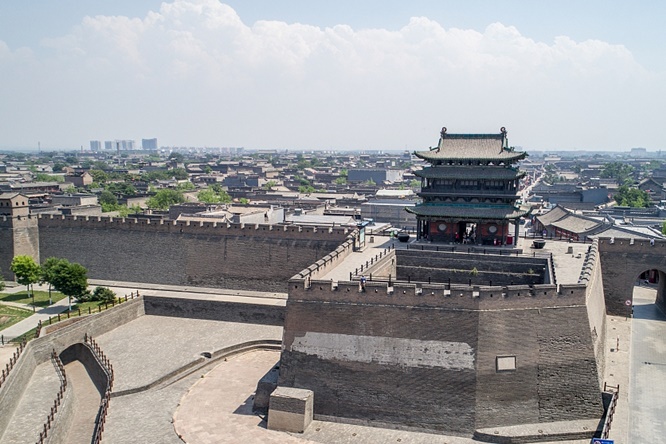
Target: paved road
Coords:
[(647, 395)]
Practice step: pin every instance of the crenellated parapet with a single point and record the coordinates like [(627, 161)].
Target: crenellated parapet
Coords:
[(453, 297), (589, 263), (206, 228)]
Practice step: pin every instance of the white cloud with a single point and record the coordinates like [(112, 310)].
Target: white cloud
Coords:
[(194, 73)]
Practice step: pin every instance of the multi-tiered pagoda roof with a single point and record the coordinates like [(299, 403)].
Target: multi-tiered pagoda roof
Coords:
[(471, 179)]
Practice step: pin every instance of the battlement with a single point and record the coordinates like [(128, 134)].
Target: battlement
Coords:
[(589, 264), (629, 245), (192, 227), (453, 297), (328, 262)]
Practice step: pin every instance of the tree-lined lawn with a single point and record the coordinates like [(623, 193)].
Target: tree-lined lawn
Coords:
[(11, 315), (23, 297)]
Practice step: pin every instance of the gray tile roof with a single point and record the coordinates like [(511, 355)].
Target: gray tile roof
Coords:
[(470, 172), (457, 147), (471, 211), (576, 224)]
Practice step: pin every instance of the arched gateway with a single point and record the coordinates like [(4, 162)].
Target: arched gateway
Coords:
[(622, 261)]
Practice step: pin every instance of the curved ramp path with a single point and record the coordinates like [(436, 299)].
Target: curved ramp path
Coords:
[(31, 412), (224, 396), (87, 399)]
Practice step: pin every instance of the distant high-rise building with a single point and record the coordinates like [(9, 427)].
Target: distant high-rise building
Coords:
[(95, 145), (149, 144), (109, 145)]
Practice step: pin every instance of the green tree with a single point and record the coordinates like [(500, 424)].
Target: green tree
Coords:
[(244, 201), (185, 186), (342, 180), (414, 183), (99, 176), (178, 157), (27, 273), (58, 167), (306, 189), (632, 197), (178, 173), (70, 279), (107, 197), (210, 196), (102, 294), (270, 185), (164, 198), (663, 228), (207, 169), (47, 273), (621, 172), (43, 177), (2, 282), (124, 188)]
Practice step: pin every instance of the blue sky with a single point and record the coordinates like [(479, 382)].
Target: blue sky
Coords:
[(332, 75)]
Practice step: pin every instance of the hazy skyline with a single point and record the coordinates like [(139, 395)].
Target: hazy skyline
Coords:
[(332, 75)]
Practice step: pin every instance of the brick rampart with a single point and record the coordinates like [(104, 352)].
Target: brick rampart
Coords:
[(440, 295), (18, 236), (424, 356), (622, 262), (330, 261), (214, 310), (235, 256)]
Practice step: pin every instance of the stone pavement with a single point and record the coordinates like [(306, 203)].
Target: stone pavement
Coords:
[(149, 347), (218, 409), (86, 398), (647, 389), (355, 259), (31, 412)]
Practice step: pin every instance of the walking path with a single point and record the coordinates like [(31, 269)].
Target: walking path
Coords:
[(87, 399), (647, 394), (34, 406), (31, 322)]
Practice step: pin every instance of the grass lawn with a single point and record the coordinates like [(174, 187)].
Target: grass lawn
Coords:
[(41, 297), (10, 315)]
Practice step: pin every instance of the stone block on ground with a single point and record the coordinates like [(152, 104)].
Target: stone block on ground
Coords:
[(290, 409)]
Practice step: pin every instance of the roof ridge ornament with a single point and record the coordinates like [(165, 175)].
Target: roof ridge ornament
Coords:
[(442, 135), (505, 139)]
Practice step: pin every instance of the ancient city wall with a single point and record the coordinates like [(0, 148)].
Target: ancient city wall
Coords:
[(596, 306), (622, 262), (477, 268), (330, 261), (214, 310), (18, 236), (236, 256), (425, 356)]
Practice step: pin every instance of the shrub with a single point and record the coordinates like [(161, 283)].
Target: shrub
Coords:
[(103, 294)]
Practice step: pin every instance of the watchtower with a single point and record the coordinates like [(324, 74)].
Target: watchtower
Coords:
[(19, 233), (470, 190)]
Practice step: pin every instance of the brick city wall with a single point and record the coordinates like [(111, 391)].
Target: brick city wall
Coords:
[(214, 310), (18, 236), (622, 262), (458, 267), (248, 257), (424, 356), (596, 305)]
